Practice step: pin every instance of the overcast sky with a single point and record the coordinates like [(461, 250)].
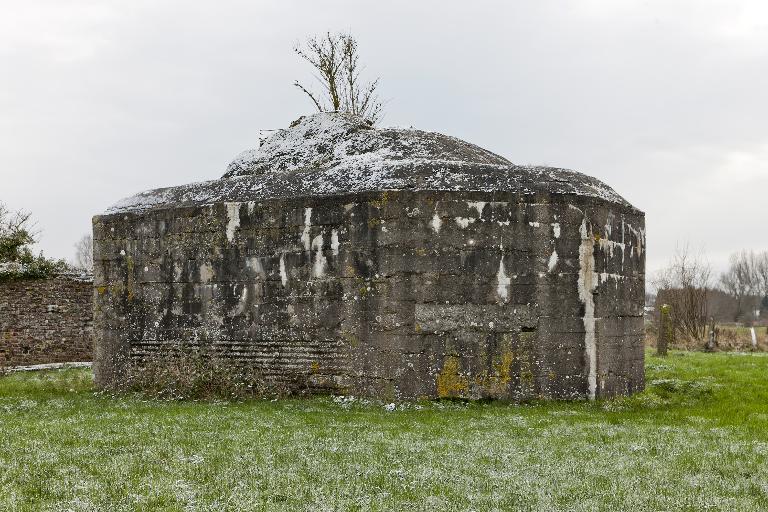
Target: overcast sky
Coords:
[(665, 101)]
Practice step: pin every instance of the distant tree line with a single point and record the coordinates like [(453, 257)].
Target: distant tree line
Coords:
[(746, 281), (697, 298)]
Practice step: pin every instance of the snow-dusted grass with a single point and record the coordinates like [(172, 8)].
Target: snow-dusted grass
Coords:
[(697, 439)]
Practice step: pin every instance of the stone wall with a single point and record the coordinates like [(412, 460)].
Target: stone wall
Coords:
[(394, 294), (46, 321)]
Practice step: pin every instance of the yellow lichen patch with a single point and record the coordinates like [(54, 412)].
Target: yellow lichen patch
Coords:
[(449, 382), (496, 385), (101, 289), (315, 366), (350, 338), (381, 201), (505, 368)]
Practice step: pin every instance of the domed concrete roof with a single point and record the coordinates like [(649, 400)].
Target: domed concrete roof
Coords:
[(337, 153), (347, 143)]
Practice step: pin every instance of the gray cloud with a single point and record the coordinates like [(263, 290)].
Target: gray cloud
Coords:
[(665, 101)]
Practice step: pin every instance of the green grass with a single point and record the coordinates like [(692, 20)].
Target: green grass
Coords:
[(697, 439)]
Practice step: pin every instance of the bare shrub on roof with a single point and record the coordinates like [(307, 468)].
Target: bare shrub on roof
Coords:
[(337, 67)]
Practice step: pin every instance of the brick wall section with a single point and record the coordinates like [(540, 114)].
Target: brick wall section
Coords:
[(46, 321), (394, 294)]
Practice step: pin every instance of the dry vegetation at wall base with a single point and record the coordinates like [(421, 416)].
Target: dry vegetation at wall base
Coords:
[(730, 337), (696, 439)]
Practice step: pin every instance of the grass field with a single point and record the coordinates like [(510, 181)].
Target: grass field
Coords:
[(697, 439)]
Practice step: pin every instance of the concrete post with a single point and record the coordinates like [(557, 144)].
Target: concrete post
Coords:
[(712, 340)]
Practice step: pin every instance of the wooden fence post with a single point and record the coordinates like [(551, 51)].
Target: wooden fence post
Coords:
[(665, 330)]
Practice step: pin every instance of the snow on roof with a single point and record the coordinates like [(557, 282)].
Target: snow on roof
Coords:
[(337, 153)]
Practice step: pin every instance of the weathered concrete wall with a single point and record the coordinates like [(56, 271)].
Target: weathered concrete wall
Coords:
[(393, 294), (45, 321)]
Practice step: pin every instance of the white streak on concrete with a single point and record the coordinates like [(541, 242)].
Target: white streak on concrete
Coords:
[(307, 225), (463, 222), (436, 222), (477, 205), (206, 273), (609, 224), (587, 283), (233, 219), (639, 235), (608, 246), (622, 243), (534, 224), (239, 309), (552, 261), (318, 269), (335, 242), (283, 273), (556, 229), (254, 263), (504, 281)]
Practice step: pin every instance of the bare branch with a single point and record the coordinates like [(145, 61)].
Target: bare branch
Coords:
[(336, 60), (311, 96)]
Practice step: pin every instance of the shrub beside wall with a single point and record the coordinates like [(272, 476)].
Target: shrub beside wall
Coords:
[(46, 320)]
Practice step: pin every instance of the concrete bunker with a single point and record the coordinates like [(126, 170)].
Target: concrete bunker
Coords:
[(392, 263)]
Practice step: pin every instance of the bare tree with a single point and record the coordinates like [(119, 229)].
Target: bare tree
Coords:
[(741, 281), (336, 61), (84, 253), (761, 274), (685, 286)]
